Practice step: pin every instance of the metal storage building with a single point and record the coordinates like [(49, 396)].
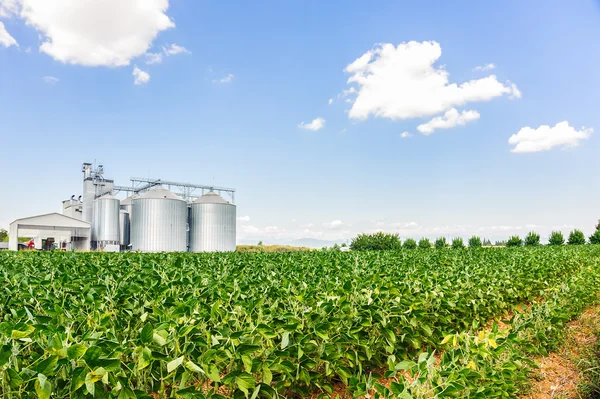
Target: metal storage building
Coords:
[(159, 222), (212, 224), (105, 223)]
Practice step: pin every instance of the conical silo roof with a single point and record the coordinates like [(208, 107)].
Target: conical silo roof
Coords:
[(211, 198), (159, 192)]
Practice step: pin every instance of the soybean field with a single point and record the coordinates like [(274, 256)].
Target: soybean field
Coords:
[(407, 324)]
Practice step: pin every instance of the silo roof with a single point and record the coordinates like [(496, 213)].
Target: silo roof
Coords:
[(128, 200), (211, 198), (107, 197), (159, 192)]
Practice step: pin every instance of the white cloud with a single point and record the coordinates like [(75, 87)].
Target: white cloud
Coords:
[(405, 135), (226, 79), (330, 101), (316, 124), (154, 58), (450, 119), (50, 79), (140, 76), (402, 83), (334, 225), (516, 93), (95, 33), (8, 8), (174, 49), (5, 38), (243, 219), (487, 67), (545, 137)]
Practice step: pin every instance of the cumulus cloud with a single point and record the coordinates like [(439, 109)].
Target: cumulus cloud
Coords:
[(94, 33), (450, 119), (50, 79), (226, 79), (140, 77), (316, 124), (486, 67), (8, 8), (243, 219), (154, 58), (174, 49), (403, 82), (330, 101), (545, 137), (405, 135), (5, 38)]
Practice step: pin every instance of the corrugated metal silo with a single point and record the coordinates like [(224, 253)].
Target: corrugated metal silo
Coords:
[(124, 229), (105, 222), (159, 222), (212, 226), (127, 205)]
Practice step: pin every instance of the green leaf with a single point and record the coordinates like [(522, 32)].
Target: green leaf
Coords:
[(267, 376), (285, 340), (43, 388), (159, 339), (405, 365), (213, 373), (193, 367), (76, 351), (5, 352), (247, 360), (147, 333), (77, 378), (48, 365), (245, 382), (173, 364), (23, 330), (15, 379)]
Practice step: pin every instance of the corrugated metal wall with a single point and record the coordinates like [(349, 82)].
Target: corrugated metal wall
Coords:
[(105, 224), (158, 225), (213, 227)]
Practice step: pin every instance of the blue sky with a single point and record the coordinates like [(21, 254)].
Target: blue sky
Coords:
[(226, 104)]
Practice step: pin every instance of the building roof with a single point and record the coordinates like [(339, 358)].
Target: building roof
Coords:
[(211, 198), (53, 220), (159, 192)]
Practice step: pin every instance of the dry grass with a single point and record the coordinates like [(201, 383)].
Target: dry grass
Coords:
[(559, 374)]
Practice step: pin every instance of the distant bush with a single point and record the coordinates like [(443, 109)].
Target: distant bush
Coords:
[(458, 243), (576, 238), (514, 241), (441, 242), (595, 238), (475, 242), (424, 243), (556, 238), (532, 239), (376, 242), (409, 244)]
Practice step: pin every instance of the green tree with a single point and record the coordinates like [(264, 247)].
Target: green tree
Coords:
[(458, 243), (500, 243), (514, 241), (441, 243), (475, 242), (595, 238), (556, 238), (576, 238), (424, 243), (598, 225), (379, 241), (3, 235), (532, 239), (409, 244)]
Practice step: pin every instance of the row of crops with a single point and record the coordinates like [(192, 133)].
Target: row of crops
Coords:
[(248, 325)]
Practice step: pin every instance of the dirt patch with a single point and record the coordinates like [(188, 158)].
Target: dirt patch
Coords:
[(559, 375)]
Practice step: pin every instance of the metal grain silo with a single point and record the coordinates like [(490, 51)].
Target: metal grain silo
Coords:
[(127, 205), (105, 222), (159, 222), (124, 229), (212, 224)]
